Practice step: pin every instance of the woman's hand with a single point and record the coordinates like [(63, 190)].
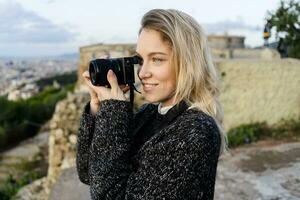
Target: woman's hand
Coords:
[(100, 93)]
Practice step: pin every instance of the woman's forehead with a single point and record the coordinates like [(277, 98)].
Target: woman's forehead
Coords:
[(150, 41)]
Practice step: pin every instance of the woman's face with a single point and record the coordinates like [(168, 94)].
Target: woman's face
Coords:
[(156, 73)]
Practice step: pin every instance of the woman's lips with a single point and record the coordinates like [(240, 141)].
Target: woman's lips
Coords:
[(148, 87)]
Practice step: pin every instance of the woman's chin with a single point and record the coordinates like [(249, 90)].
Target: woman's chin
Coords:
[(151, 98)]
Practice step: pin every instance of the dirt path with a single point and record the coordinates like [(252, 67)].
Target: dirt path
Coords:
[(266, 170)]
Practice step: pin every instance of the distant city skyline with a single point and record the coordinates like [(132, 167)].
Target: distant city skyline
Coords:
[(52, 27)]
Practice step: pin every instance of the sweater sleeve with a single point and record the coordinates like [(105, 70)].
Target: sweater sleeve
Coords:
[(84, 138), (109, 162)]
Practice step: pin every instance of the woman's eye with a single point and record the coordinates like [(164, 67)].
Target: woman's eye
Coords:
[(157, 60)]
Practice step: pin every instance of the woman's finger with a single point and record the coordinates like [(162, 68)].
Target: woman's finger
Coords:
[(112, 79), (87, 80), (106, 93), (97, 89), (86, 74)]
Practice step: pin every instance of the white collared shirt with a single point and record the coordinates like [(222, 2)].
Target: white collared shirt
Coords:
[(163, 110)]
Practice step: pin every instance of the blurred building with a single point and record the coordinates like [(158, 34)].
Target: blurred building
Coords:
[(226, 41)]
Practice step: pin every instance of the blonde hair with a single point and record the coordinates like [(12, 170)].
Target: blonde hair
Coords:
[(197, 79)]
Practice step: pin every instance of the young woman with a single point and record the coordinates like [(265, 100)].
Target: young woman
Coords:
[(164, 151)]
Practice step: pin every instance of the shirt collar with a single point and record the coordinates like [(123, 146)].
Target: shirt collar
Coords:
[(163, 110), (171, 112)]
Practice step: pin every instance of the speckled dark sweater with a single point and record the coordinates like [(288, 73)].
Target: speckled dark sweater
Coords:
[(178, 162)]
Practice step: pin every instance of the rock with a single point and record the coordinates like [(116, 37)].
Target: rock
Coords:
[(58, 134), (53, 125), (34, 191), (72, 107), (73, 139), (67, 163)]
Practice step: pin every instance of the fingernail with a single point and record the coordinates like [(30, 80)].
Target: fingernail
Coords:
[(110, 73)]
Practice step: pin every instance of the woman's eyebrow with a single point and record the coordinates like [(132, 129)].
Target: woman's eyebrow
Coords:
[(152, 53)]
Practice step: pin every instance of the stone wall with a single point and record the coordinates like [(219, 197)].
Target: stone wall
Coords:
[(244, 53), (63, 136), (259, 90)]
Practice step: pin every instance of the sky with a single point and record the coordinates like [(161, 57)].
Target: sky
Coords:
[(54, 27)]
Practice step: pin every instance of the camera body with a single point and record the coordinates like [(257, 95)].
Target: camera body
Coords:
[(122, 67)]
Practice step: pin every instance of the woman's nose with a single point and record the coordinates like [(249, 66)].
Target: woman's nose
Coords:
[(143, 72)]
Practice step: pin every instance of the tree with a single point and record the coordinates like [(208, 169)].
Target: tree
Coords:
[(286, 21)]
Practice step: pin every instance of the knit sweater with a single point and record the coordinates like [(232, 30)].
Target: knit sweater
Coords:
[(178, 162), (155, 122)]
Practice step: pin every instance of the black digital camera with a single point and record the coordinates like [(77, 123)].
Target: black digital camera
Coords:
[(122, 67)]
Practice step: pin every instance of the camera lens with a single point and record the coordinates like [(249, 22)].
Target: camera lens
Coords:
[(98, 70), (122, 67), (92, 71)]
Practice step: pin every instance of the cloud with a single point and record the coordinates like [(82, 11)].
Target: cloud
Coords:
[(18, 25), (49, 1), (229, 25)]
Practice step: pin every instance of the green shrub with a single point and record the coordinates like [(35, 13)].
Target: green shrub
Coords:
[(22, 119), (2, 136), (286, 128), (63, 79), (12, 185), (248, 133)]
